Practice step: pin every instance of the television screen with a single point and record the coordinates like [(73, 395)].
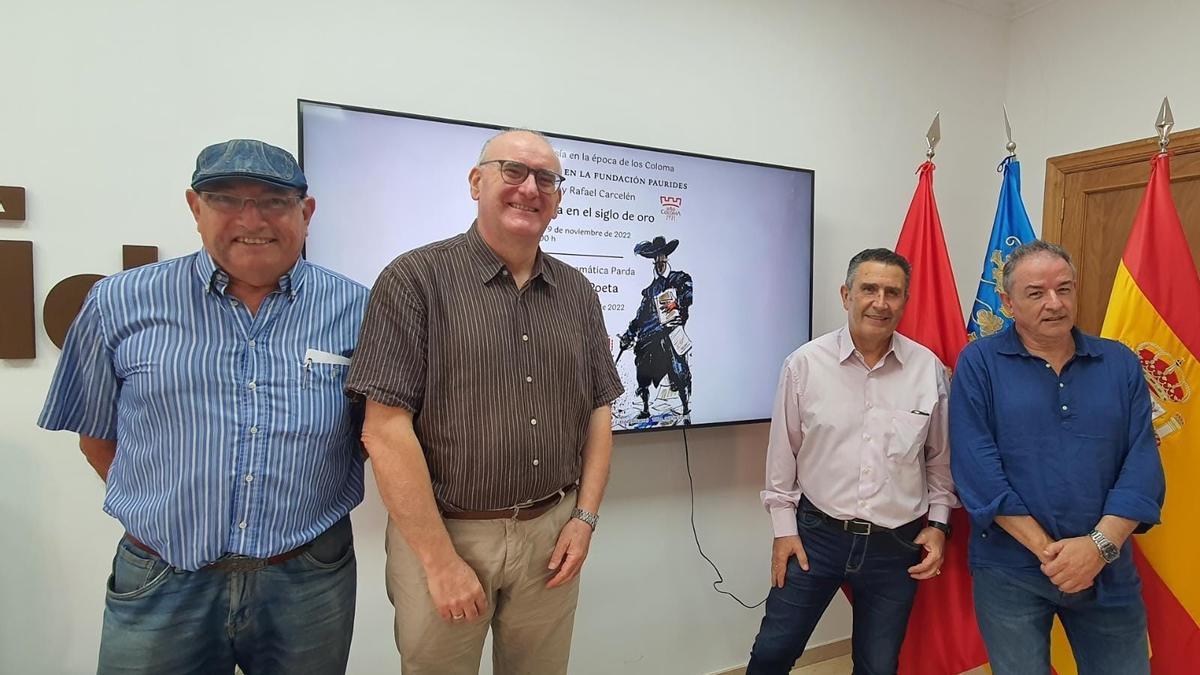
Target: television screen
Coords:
[(703, 265)]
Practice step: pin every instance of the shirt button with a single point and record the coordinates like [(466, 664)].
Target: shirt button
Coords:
[(242, 525), (533, 421), (529, 378), (866, 469), (862, 502), (252, 343), (504, 272), (869, 404), (1047, 365), (1061, 385), (252, 385), (249, 478), (253, 430), (536, 462), (1064, 408), (525, 338), (232, 302), (866, 437)]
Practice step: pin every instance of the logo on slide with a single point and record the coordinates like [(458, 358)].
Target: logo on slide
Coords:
[(671, 206)]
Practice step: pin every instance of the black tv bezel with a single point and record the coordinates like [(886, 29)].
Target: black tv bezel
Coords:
[(301, 102)]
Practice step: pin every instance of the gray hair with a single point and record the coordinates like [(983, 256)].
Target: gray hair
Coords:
[(1029, 250), (510, 130), (880, 255)]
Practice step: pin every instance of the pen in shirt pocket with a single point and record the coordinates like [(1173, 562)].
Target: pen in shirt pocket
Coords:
[(919, 412)]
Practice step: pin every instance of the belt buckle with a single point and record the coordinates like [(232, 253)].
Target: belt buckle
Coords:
[(518, 508), (859, 527), (532, 503), (240, 563)]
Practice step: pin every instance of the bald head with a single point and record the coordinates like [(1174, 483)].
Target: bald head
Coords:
[(489, 152)]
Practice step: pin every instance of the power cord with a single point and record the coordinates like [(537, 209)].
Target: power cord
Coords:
[(687, 458)]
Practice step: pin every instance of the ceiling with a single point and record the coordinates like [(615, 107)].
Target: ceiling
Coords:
[(1005, 9)]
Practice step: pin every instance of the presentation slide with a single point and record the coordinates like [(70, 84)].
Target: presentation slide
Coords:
[(703, 265)]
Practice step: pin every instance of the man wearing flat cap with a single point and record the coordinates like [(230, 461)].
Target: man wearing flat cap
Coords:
[(207, 393), (664, 310)]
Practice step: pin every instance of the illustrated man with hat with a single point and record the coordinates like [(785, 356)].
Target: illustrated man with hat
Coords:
[(665, 306), (207, 393)]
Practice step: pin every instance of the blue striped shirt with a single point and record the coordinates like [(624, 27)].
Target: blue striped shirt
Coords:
[(228, 439)]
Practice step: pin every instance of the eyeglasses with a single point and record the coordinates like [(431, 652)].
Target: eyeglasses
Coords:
[(268, 206), (515, 173)]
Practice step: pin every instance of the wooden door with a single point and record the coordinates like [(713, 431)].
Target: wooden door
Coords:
[(1092, 198)]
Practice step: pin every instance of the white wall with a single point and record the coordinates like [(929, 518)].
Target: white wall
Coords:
[(1088, 73), (112, 101)]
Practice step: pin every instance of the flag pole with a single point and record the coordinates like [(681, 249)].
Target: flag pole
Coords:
[(1010, 146), (933, 136), (1165, 121)]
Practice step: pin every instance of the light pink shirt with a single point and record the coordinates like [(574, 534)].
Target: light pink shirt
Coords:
[(859, 442)]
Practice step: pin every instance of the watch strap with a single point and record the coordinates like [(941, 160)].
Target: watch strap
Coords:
[(586, 516)]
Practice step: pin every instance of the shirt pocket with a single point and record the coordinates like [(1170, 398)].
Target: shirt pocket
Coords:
[(321, 405), (906, 437)]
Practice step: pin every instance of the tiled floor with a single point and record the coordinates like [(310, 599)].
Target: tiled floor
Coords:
[(838, 666), (842, 666)]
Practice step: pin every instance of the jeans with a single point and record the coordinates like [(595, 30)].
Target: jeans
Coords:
[(874, 566), (293, 617), (1015, 611)]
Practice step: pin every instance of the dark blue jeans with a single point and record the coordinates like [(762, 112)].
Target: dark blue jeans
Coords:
[(294, 617), (1015, 612), (875, 567)]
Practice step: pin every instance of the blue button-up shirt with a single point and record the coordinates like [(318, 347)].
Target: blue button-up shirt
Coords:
[(229, 438), (1066, 449)]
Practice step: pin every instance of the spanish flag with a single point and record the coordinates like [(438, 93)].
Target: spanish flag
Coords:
[(1155, 311)]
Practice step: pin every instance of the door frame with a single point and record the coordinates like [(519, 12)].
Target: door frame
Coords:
[(1054, 205)]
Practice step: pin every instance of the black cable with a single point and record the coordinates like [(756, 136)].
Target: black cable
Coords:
[(687, 458)]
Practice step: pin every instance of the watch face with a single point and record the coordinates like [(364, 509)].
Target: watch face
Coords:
[(1108, 550)]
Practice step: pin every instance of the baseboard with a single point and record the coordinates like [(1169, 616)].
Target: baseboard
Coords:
[(829, 650)]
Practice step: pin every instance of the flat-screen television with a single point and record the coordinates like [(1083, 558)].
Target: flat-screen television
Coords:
[(703, 265)]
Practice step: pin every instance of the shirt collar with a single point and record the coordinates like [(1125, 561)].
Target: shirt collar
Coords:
[(488, 264), (1010, 343), (215, 279), (846, 346)]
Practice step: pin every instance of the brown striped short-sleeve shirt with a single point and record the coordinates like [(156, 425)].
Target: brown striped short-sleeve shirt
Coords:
[(502, 381)]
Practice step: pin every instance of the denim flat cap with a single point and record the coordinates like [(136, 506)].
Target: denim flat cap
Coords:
[(249, 160)]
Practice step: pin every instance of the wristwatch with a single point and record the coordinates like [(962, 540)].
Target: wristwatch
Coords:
[(586, 516), (944, 527), (1108, 550)]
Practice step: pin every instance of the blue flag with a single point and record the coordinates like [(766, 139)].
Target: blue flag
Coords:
[(1010, 229)]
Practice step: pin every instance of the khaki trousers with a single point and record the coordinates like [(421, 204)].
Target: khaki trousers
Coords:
[(531, 626)]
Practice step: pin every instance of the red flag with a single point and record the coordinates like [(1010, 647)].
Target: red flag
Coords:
[(943, 638), (933, 315)]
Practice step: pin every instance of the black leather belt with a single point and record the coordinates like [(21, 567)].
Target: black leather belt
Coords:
[(233, 563), (853, 526), (857, 526)]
